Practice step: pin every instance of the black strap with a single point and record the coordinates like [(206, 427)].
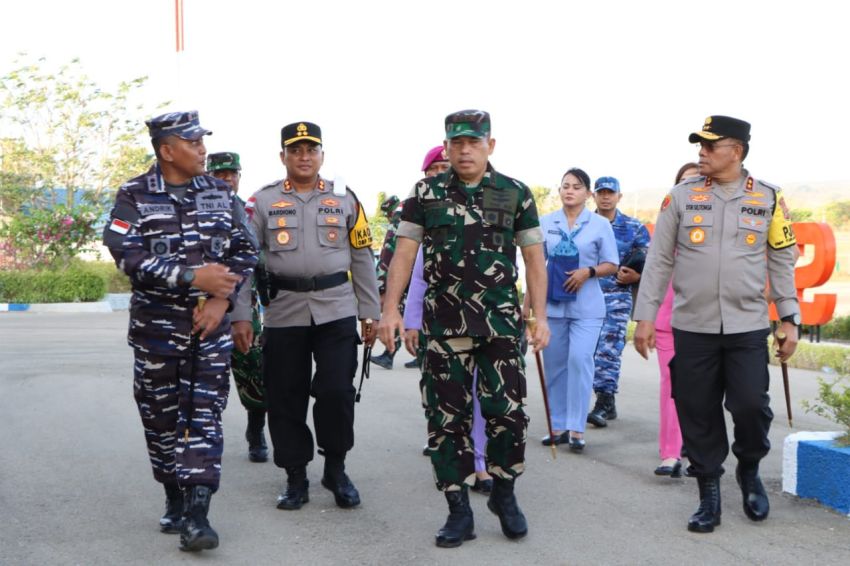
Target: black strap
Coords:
[(364, 371), (308, 284)]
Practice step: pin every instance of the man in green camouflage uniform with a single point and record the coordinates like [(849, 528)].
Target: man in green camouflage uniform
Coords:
[(247, 358), (391, 208), (471, 220)]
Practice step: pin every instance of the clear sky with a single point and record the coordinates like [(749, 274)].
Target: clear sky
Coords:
[(612, 87)]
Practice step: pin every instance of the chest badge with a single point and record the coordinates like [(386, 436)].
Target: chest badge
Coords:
[(750, 239), (282, 204), (283, 238), (330, 202), (700, 198), (281, 222), (697, 236), (698, 218), (333, 235), (332, 219)]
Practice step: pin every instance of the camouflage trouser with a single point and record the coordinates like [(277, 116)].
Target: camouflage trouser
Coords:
[(248, 370), (446, 386), (161, 389), (609, 350)]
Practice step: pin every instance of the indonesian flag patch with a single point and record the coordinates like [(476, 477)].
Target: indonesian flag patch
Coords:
[(120, 226)]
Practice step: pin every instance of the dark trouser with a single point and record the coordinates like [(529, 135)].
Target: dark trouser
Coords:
[(161, 389), (287, 373), (707, 367)]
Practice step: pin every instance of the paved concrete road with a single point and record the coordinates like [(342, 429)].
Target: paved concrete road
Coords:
[(76, 488)]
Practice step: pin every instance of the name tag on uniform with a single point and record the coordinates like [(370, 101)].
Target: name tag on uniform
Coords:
[(212, 201), (148, 209)]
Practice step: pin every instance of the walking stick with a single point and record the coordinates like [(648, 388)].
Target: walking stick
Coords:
[(532, 324), (780, 339), (194, 350), (367, 356)]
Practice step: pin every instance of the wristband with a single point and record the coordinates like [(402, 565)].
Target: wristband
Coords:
[(592, 271)]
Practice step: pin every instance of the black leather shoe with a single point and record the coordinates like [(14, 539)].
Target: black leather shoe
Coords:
[(562, 438), (426, 451), (577, 444), (345, 494), (756, 504), (483, 486), (172, 520), (502, 503), (674, 471), (598, 416), (708, 514), (258, 450), (460, 525), (294, 496), (385, 360), (412, 364)]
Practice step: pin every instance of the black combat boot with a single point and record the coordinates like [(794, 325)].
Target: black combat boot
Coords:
[(708, 514), (598, 415), (756, 505), (503, 503), (336, 480), (297, 489), (173, 519), (610, 407), (258, 450), (197, 534), (459, 525)]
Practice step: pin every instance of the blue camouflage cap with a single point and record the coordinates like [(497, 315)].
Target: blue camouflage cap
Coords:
[(184, 125), (607, 183)]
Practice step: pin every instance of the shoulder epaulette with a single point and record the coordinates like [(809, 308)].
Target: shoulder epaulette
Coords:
[(768, 185)]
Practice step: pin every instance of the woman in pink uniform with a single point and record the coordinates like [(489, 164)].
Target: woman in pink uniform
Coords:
[(669, 434)]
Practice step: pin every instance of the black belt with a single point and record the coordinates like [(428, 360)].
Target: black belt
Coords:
[(308, 284)]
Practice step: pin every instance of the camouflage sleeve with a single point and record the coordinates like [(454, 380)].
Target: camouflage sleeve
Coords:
[(387, 251), (244, 247), (641, 238), (243, 307), (527, 223), (412, 223), (127, 246)]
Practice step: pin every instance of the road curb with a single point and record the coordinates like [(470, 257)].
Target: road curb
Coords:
[(814, 468), (113, 302)]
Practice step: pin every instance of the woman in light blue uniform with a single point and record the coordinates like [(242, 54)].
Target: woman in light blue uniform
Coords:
[(580, 247)]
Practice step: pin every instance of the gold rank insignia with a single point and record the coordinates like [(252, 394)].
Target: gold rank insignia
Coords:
[(697, 235)]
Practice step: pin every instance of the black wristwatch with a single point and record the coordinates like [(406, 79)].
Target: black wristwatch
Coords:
[(592, 271), (792, 318), (187, 277)]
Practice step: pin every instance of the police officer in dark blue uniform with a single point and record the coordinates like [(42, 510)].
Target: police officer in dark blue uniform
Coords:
[(182, 238)]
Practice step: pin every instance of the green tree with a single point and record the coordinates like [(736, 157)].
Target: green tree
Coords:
[(547, 199), (838, 213), (802, 215), (61, 130)]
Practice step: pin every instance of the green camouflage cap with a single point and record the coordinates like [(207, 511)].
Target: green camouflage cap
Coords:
[(223, 160), (470, 123)]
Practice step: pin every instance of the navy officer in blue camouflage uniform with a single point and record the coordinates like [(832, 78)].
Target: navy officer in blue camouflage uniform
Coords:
[(181, 236), (632, 242), (313, 232)]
